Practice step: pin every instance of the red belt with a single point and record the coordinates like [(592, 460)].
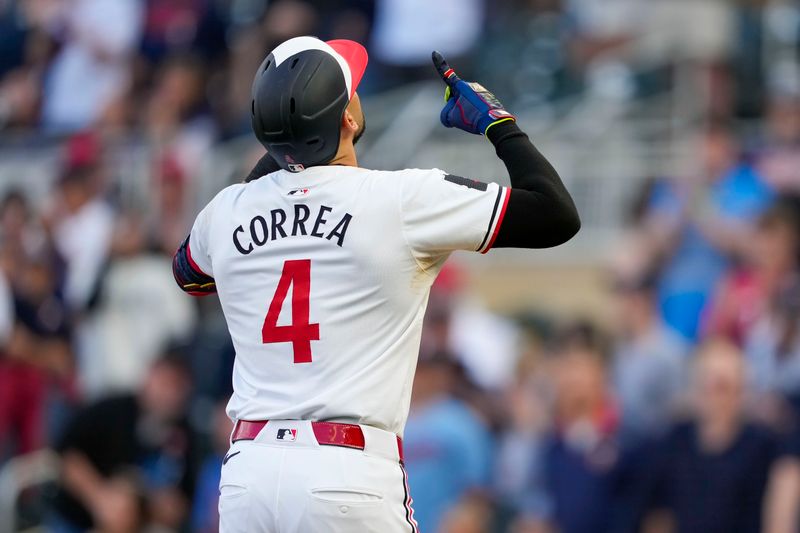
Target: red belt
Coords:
[(327, 434)]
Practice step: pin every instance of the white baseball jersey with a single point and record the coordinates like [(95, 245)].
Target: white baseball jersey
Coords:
[(324, 277)]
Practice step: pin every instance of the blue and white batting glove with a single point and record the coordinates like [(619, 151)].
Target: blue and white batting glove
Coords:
[(469, 106)]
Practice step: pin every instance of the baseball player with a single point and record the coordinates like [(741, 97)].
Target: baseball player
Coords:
[(323, 270)]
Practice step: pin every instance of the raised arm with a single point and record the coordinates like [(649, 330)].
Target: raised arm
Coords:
[(540, 212)]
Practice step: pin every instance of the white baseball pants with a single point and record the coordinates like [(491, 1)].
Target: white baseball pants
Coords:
[(284, 481)]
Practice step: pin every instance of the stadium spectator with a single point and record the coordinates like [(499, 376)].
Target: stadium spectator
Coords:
[(518, 472), (447, 448), (130, 322), (38, 354), (712, 471), (14, 29), (19, 236), (779, 160), (79, 221), (582, 459), (128, 460), (21, 394), (20, 92), (406, 31), (485, 343), (26, 51), (604, 34), (24, 26), (171, 203), (177, 26), (283, 19), (205, 516), (401, 28), (699, 224), (92, 67), (754, 304), (177, 117), (649, 359), (772, 343), (770, 264)]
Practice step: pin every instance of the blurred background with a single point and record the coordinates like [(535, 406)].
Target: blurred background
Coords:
[(643, 377)]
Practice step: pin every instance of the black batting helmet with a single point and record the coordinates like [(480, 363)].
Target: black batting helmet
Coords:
[(300, 93)]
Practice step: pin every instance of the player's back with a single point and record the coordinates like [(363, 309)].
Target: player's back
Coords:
[(323, 297), (323, 277)]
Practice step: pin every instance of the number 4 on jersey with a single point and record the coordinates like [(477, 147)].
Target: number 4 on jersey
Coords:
[(300, 333)]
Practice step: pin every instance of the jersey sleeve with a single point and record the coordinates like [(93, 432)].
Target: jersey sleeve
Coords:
[(197, 248), (191, 265), (442, 212)]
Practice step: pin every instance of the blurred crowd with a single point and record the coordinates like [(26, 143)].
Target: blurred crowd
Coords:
[(179, 71), (676, 411)]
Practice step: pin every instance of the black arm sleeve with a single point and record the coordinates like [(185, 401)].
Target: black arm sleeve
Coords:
[(540, 212), (266, 165)]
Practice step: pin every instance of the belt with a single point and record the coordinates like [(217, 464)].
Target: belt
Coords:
[(326, 433)]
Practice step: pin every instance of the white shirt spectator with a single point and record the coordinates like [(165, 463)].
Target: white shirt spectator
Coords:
[(92, 67), (142, 312), (407, 30), (487, 344), (83, 240)]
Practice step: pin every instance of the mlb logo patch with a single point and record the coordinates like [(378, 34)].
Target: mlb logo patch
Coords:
[(298, 192), (287, 434), (293, 165)]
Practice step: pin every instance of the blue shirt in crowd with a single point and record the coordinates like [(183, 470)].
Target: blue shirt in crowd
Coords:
[(205, 517), (447, 452), (695, 267)]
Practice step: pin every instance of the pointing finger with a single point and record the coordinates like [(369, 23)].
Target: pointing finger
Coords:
[(445, 71)]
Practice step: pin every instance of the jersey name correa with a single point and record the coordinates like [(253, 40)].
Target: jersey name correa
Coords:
[(261, 232), (324, 276)]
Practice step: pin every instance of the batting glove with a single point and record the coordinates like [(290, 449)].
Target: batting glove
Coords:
[(469, 106)]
